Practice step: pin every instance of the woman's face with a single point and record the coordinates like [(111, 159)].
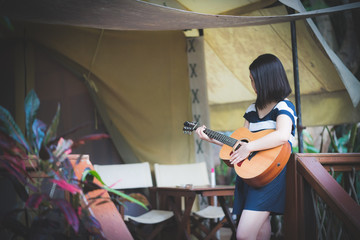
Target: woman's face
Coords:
[(253, 83)]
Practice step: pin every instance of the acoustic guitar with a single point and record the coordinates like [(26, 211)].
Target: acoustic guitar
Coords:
[(260, 167)]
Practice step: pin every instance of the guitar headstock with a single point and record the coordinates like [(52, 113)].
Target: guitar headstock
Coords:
[(189, 127)]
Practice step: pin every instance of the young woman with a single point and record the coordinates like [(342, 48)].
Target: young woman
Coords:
[(272, 110)]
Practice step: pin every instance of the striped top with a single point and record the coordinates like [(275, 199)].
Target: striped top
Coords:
[(269, 121)]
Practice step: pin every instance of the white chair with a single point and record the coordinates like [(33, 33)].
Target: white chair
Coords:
[(134, 176), (195, 174), (181, 174)]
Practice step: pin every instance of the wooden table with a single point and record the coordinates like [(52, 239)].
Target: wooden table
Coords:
[(170, 199)]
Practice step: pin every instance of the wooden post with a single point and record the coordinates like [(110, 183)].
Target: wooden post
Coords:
[(291, 219), (295, 208)]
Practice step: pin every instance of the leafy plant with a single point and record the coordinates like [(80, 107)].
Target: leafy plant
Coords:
[(44, 214), (348, 140), (225, 175), (308, 144), (345, 139)]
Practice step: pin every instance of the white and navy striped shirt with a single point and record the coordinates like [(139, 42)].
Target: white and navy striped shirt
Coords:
[(269, 121)]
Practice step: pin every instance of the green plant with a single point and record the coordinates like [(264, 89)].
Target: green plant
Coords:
[(225, 175), (308, 144), (344, 138), (42, 214)]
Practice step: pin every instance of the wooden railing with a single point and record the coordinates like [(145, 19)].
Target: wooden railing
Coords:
[(309, 173)]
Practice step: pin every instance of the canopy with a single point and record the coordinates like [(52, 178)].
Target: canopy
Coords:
[(137, 15)]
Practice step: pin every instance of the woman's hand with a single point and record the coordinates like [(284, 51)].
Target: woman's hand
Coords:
[(240, 154), (201, 134)]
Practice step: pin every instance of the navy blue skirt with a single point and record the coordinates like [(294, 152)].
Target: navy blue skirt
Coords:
[(270, 197)]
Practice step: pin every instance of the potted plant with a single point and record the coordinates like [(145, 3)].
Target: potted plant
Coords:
[(43, 212)]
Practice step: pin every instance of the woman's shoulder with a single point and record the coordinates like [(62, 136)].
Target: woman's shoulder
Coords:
[(286, 105)]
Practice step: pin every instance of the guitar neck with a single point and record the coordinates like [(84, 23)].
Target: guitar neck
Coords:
[(220, 137)]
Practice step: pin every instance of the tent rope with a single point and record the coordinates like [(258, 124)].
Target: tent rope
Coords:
[(87, 77)]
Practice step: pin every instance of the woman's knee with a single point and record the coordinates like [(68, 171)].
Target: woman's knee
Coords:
[(265, 231), (243, 235), (250, 225)]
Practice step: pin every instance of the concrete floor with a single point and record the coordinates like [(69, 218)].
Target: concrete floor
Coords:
[(225, 233)]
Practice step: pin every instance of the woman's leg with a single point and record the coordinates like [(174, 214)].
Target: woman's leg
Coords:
[(265, 230), (250, 224)]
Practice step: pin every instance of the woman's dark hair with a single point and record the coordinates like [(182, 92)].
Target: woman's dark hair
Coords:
[(270, 79)]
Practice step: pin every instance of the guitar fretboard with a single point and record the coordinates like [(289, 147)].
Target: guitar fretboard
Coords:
[(221, 137)]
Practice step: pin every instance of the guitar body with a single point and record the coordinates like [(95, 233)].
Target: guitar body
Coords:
[(261, 167)]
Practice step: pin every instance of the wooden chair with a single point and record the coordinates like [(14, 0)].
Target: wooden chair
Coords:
[(195, 174), (135, 177)]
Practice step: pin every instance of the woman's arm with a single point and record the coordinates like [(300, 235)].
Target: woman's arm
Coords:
[(203, 136), (246, 124), (280, 136)]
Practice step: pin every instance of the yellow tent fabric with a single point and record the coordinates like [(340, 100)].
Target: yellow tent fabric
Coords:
[(229, 51), (319, 79), (142, 82)]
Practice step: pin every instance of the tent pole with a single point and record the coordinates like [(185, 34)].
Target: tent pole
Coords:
[(296, 83)]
